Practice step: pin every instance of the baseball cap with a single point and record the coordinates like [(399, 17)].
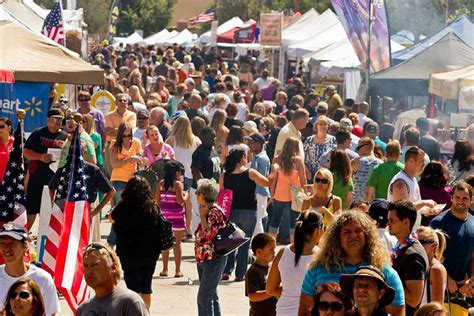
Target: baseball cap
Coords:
[(378, 210), (257, 137), (331, 87), (14, 231), (322, 106), (371, 127), (55, 113), (143, 113)]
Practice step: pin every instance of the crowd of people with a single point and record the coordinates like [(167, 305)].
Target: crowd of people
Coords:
[(371, 223)]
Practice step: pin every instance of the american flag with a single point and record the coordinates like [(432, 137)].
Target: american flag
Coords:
[(53, 25), (69, 230), (206, 16), (12, 192)]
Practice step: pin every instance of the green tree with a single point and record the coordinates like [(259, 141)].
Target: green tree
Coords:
[(227, 9), (147, 15)]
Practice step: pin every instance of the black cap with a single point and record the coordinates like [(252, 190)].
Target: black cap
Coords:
[(378, 210), (14, 231), (55, 113), (143, 113), (258, 138)]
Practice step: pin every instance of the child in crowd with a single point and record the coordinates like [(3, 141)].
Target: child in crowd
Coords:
[(171, 196), (263, 246)]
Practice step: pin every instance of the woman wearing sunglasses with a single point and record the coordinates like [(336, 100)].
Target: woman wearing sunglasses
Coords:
[(330, 301), (322, 198), (6, 143), (24, 298)]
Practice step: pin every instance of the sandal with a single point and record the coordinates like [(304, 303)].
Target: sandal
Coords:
[(163, 274), (178, 275)]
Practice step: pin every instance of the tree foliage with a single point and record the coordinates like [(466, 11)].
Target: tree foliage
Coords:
[(147, 15)]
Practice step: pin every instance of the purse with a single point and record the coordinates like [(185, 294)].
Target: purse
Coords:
[(228, 239), (224, 200), (297, 198), (165, 234)]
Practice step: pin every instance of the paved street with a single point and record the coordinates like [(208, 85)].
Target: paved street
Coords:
[(175, 296)]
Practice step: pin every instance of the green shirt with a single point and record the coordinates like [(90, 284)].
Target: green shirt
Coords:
[(97, 139), (382, 175), (173, 103), (334, 103), (340, 190), (86, 140)]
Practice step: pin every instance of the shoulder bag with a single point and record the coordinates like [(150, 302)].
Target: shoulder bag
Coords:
[(228, 239)]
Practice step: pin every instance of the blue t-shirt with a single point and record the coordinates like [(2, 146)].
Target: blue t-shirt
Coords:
[(318, 275), (459, 245), (261, 163)]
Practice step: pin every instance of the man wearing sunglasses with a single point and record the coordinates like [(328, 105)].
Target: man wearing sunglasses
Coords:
[(42, 148), (13, 246), (85, 107), (102, 273)]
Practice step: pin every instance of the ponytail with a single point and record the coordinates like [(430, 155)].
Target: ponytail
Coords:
[(441, 244), (307, 222), (234, 157)]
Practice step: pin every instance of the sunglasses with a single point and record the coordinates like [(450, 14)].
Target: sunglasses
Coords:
[(3, 126), (82, 100), (360, 146), (99, 246), (322, 181), (334, 306), (123, 100), (425, 242), (127, 135), (24, 295)]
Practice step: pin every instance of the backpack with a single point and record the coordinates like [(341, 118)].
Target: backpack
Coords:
[(153, 174)]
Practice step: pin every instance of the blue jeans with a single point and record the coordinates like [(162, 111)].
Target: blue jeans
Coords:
[(210, 273), (246, 220), (118, 186), (283, 219)]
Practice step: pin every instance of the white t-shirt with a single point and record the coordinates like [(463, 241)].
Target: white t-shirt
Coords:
[(44, 281), (242, 112), (185, 156), (261, 83), (413, 192)]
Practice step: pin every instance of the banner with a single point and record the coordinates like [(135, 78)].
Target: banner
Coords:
[(270, 29), (354, 16), (245, 34), (29, 96), (113, 19)]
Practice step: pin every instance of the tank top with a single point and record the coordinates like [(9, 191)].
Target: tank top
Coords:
[(413, 192), (329, 206), (185, 156), (282, 189), (243, 189), (291, 281)]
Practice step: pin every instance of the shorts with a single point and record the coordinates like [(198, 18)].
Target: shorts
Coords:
[(34, 193), (138, 273)]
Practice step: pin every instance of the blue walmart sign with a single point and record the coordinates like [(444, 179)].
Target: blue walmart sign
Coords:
[(29, 96)]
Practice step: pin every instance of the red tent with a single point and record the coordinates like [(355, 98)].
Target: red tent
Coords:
[(243, 34)]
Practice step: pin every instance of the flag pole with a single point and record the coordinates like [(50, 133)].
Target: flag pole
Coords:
[(369, 31), (64, 22), (20, 115)]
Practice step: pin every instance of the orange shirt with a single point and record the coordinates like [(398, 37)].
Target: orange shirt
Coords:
[(125, 172), (282, 189), (113, 119)]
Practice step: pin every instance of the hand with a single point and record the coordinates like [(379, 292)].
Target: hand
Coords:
[(430, 203), (452, 286), (145, 161), (466, 288), (46, 158)]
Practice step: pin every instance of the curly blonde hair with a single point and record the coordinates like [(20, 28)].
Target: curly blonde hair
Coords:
[(331, 256)]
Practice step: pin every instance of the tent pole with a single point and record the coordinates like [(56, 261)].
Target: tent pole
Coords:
[(368, 50)]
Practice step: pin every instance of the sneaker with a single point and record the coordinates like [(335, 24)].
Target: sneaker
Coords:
[(225, 277), (239, 280)]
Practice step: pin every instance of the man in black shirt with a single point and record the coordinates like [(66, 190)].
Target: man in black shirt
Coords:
[(206, 162), (96, 182), (196, 59), (408, 257), (42, 148), (428, 143)]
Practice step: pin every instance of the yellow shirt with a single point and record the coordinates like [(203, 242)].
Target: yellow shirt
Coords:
[(125, 172), (289, 130), (113, 119), (334, 103)]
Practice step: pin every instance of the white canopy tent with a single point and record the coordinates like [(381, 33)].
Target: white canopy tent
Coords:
[(131, 39), (310, 24), (224, 27), (182, 37), (155, 38)]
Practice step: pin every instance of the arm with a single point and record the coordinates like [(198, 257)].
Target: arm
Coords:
[(395, 310), (337, 204), (197, 175), (349, 199), (258, 178), (115, 162), (225, 152), (259, 296), (32, 155), (273, 286), (179, 189), (369, 193), (107, 198), (306, 305), (301, 171), (438, 283), (413, 292)]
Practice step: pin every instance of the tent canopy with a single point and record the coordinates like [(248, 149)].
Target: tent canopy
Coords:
[(449, 50), (155, 38), (228, 37), (448, 84), (131, 39), (301, 29), (34, 57), (224, 27), (180, 38), (462, 27)]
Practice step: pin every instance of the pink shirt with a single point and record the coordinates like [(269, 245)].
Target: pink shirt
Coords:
[(5, 150), (152, 158)]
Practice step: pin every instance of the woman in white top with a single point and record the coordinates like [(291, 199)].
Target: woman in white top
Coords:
[(184, 143), (290, 265)]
